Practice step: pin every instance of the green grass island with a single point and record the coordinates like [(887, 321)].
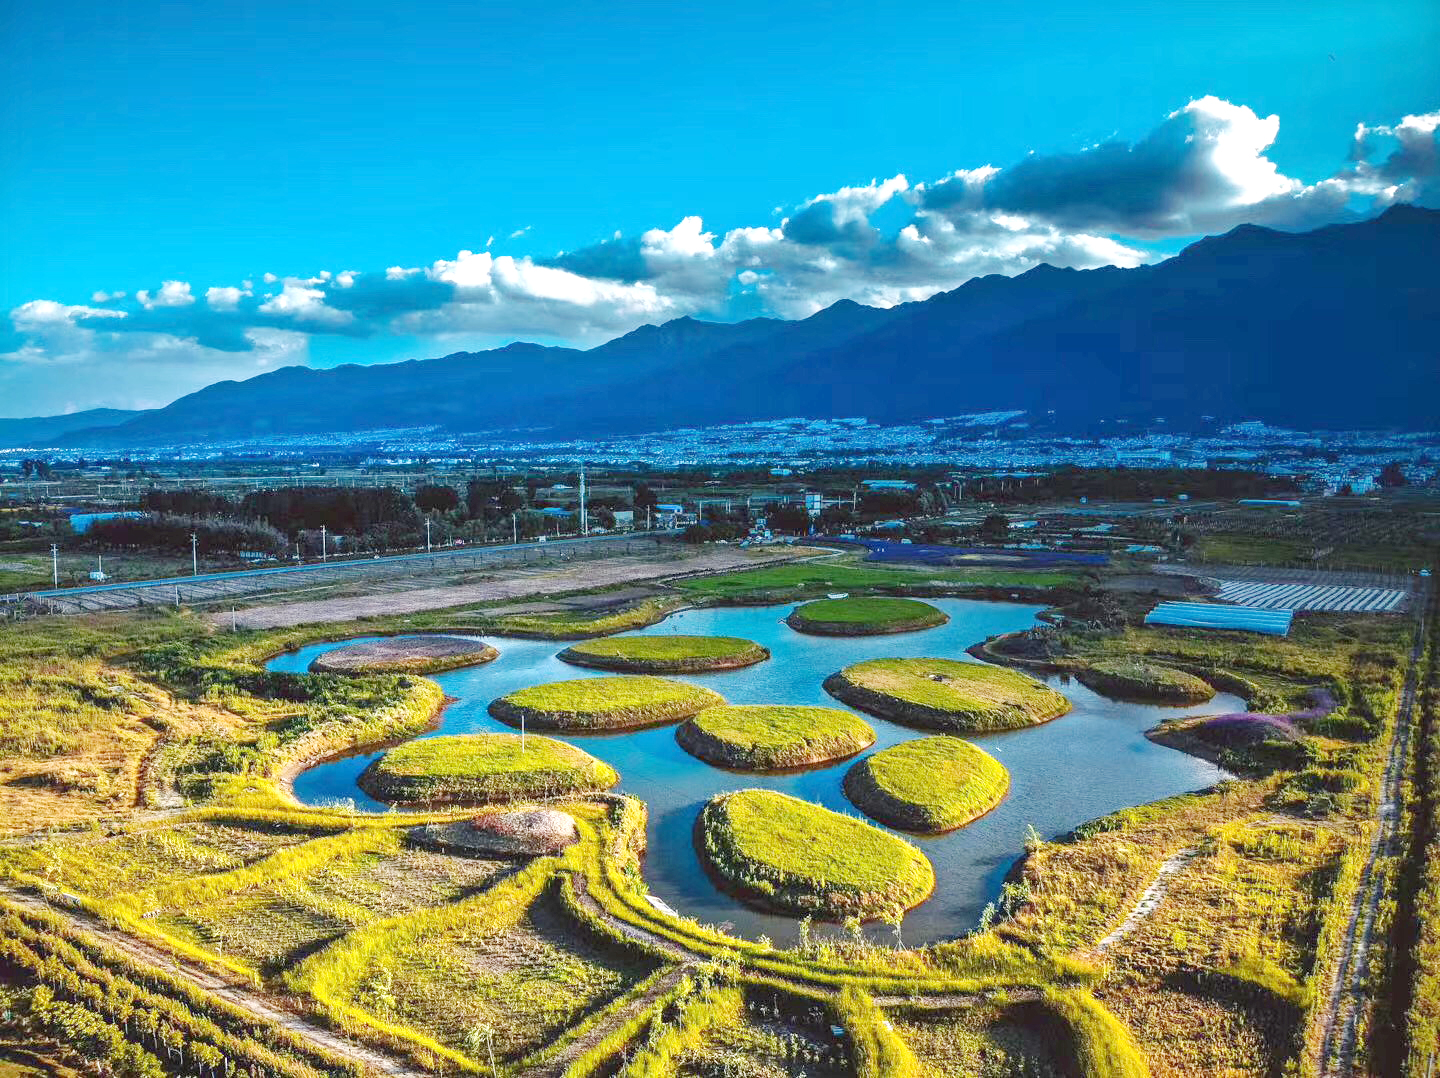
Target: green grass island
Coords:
[(946, 694), (483, 768), (928, 785), (773, 737), (666, 654), (779, 852), (1136, 679), (864, 616), (603, 704), (429, 654)]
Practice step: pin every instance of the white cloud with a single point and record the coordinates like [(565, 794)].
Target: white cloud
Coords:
[(225, 298), (300, 301), (1204, 167), (171, 294)]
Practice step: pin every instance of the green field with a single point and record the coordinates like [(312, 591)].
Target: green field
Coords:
[(795, 856), (478, 768), (841, 574), (864, 615), (931, 784), (604, 703), (946, 694), (1136, 679), (666, 654), (773, 737)]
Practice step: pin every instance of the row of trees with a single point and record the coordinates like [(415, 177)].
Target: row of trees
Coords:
[(169, 531)]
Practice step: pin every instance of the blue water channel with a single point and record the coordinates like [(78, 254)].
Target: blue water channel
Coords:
[(1090, 762)]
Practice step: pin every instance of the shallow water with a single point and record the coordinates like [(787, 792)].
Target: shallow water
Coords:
[(1090, 762)]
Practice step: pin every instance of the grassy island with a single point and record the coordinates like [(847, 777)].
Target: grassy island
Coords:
[(945, 694), (1136, 679), (929, 785), (405, 655), (666, 654), (601, 704), (480, 768), (783, 853), (864, 616), (773, 738)]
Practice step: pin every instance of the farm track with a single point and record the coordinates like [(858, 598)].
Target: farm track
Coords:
[(516, 582), (1346, 996), (237, 993), (1150, 898), (613, 1020)]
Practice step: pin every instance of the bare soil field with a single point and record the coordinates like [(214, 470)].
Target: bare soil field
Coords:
[(504, 584)]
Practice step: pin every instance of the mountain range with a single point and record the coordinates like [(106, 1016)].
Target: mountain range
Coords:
[(1333, 328)]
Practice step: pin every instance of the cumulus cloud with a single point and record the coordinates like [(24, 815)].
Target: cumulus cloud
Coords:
[(302, 302), (1203, 168), (225, 297), (67, 363), (170, 294)]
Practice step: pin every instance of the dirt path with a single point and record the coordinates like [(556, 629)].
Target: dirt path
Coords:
[(617, 1017), (1347, 994), (1149, 900), (517, 583), (235, 992)]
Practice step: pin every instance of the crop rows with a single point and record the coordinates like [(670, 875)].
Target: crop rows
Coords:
[(143, 1020)]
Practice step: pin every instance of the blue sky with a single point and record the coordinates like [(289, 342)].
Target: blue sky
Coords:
[(210, 145)]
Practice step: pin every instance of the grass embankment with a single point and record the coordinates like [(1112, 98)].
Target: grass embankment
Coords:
[(597, 705), (864, 616), (945, 694), (666, 654), (1135, 679), (931, 784), (405, 655), (580, 624), (773, 737), (101, 715), (788, 854), (1417, 1000), (803, 579), (481, 768)]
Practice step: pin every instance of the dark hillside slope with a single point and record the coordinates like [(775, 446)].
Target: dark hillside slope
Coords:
[(1332, 328)]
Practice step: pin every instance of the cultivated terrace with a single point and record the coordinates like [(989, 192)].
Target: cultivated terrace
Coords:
[(167, 906)]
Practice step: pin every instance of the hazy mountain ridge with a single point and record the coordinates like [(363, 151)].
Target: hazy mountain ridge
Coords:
[(1332, 328)]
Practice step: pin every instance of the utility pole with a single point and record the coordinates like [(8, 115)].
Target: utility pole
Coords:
[(584, 512), (194, 554), (427, 535), (324, 545), (514, 529), (55, 562)]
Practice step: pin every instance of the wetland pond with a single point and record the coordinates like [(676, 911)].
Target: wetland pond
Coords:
[(1085, 764)]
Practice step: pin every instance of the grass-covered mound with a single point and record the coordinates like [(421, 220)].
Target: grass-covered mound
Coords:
[(479, 768), (405, 655), (666, 654), (864, 616), (601, 704), (784, 853), (931, 784), (944, 694), (773, 738), (1137, 679)]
